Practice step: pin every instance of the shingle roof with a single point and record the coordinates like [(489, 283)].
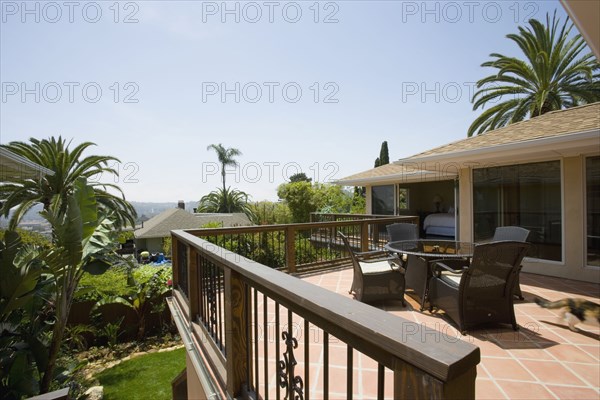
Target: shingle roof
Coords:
[(162, 224), (555, 123)]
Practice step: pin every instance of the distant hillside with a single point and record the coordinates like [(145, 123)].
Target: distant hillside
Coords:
[(146, 209)]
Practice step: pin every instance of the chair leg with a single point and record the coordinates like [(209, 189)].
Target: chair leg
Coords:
[(517, 291)]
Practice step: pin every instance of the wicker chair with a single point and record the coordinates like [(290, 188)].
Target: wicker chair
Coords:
[(515, 233), (479, 292), (374, 277), (415, 274), (400, 231)]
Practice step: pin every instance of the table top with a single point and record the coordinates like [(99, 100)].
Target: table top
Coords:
[(432, 248)]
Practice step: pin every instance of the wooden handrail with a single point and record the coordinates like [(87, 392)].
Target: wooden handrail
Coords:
[(425, 363), (365, 230), (297, 226), (347, 215)]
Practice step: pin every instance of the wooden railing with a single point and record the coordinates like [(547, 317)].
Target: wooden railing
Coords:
[(306, 247), (253, 331), (326, 217)]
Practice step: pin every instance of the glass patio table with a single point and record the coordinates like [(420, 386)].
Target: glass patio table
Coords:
[(419, 253)]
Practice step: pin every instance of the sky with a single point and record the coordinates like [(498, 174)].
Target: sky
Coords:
[(302, 86)]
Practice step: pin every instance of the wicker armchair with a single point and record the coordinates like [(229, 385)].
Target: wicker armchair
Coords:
[(515, 233), (479, 292), (415, 274), (400, 231), (374, 277)]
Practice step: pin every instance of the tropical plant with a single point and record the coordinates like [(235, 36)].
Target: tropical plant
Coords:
[(83, 240), (74, 336), (68, 166), (22, 346), (226, 201), (226, 158), (553, 75), (143, 299), (111, 331)]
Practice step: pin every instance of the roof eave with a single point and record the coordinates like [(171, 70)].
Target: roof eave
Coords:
[(526, 149), (25, 163), (405, 177)]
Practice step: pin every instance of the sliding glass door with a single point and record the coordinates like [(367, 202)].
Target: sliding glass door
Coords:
[(592, 190), (383, 198), (526, 195)]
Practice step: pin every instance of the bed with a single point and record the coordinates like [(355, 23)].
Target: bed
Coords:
[(440, 224)]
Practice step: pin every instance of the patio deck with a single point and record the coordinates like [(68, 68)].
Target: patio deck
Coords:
[(543, 360)]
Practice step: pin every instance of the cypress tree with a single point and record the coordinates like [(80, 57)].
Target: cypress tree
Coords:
[(384, 155)]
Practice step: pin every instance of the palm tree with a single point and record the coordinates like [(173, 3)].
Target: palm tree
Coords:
[(553, 76), (226, 158), (68, 166), (226, 201)]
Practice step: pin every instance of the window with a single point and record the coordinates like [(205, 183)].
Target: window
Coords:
[(592, 191), (527, 195), (403, 198), (383, 200)]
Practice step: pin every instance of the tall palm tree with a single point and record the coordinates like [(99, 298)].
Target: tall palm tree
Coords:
[(226, 158), (68, 166), (553, 75)]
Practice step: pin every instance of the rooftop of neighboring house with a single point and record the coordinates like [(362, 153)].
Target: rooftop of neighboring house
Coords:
[(162, 224)]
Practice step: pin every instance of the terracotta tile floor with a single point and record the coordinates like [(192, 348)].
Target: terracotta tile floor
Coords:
[(544, 359)]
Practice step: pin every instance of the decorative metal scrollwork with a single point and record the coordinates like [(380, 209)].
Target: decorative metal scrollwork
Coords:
[(211, 299), (294, 386)]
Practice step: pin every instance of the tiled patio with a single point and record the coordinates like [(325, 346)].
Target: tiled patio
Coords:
[(543, 360)]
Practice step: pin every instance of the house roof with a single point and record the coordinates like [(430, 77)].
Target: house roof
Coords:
[(162, 224), (553, 124), (567, 132), (15, 166), (389, 173)]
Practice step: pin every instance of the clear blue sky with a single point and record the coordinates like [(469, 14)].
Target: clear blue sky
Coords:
[(376, 70)]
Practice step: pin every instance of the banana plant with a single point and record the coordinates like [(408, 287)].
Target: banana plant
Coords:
[(84, 239)]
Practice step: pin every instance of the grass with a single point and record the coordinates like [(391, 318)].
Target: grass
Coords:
[(145, 377)]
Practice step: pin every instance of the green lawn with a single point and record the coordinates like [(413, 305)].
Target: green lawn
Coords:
[(144, 377)]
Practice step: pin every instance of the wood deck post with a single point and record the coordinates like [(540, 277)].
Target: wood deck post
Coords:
[(364, 236), (412, 383), (290, 249), (236, 329), (193, 273)]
